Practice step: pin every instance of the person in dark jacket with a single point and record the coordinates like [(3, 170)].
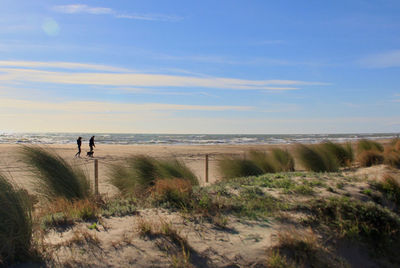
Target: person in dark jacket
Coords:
[(91, 143), (79, 142)]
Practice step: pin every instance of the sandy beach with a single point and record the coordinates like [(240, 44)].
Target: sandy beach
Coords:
[(193, 156), (107, 154)]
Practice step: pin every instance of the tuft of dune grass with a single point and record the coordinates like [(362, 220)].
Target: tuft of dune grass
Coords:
[(15, 223), (263, 160), (140, 173), (54, 177), (230, 167), (277, 160), (283, 159), (343, 153), (370, 158), (368, 145), (315, 158), (392, 158)]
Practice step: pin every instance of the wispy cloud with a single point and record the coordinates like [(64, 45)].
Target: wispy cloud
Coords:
[(62, 65), (85, 9), (383, 60), (107, 107), (21, 74)]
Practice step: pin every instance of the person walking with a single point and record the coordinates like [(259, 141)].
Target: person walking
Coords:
[(79, 142), (91, 143)]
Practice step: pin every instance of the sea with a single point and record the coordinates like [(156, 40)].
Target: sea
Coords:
[(185, 139)]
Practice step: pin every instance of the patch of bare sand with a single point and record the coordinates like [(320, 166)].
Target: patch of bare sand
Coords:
[(117, 242)]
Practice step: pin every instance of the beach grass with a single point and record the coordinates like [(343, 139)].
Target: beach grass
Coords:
[(315, 158), (283, 159), (370, 158), (368, 145), (263, 160), (343, 153), (233, 167), (15, 223), (139, 174), (54, 177)]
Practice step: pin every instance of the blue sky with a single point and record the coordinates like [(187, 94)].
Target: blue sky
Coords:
[(200, 66)]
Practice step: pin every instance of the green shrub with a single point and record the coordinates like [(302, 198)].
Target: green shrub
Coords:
[(343, 154), (54, 176), (358, 220), (390, 187), (284, 160), (140, 173), (314, 158), (235, 167), (15, 223), (370, 158), (368, 145)]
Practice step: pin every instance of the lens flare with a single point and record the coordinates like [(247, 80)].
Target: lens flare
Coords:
[(51, 27)]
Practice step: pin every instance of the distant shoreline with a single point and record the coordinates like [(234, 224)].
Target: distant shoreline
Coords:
[(187, 139)]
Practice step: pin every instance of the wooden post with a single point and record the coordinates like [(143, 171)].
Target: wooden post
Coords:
[(206, 168), (96, 177)]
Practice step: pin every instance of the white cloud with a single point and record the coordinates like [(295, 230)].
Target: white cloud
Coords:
[(383, 60), (20, 74), (108, 107), (63, 65), (85, 9), (79, 8)]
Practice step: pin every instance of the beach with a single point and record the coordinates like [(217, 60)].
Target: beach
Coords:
[(108, 154)]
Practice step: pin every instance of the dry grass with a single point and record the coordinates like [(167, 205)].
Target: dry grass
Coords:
[(175, 192), (63, 212), (169, 240), (392, 158), (301, 248), (392, 154), (370, 158), (82, 237)]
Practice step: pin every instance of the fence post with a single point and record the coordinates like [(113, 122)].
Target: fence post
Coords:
[(96, 177), (206, 168)]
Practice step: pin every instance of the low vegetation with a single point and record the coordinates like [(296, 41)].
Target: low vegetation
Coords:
[(230, 167), (370, 158), (63, 212), (369, 145), (362, 221), (258, 162), (15, 223), (313, 202), (390, 187), (139, 174), (54, 177), (343, 153), (301, 248), (316, 158)]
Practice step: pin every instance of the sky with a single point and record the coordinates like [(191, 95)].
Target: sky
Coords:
[(220, 67)]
